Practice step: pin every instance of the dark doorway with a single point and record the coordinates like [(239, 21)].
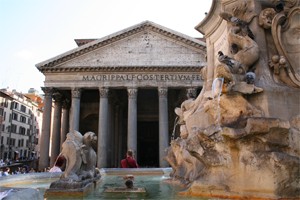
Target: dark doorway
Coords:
[(147, 146)]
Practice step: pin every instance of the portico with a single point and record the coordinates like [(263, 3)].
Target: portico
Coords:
[(124, 87)]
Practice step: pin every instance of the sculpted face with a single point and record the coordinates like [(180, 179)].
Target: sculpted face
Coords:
[(89, 138)]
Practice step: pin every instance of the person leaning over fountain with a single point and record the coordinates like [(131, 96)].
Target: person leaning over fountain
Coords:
[(129, 161)]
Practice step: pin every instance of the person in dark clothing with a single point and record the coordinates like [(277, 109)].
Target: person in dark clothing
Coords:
[(129, 184), (129, 161)]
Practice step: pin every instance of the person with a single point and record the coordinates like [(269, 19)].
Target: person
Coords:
[(6, 171), (129, 161), (58, 165), (129, 184)]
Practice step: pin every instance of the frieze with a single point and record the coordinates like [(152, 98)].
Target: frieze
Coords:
[(142, 77)]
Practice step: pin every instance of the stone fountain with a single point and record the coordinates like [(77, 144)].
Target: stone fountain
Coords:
[(240, 138), (80, 175)]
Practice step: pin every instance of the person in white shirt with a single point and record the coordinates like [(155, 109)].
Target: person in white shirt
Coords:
[(60, 161)]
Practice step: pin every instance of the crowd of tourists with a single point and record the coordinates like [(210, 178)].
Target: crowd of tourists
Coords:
[(5, 170)]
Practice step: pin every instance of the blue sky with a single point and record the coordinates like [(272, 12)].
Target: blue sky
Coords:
[(33, 31)]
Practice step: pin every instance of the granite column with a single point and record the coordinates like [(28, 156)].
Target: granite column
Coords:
[(75, 109), (132, 120), (163, 125), (103, 128), (55, 142), (46, 128)]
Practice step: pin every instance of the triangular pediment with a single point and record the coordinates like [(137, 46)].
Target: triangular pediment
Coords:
[(144, 45)]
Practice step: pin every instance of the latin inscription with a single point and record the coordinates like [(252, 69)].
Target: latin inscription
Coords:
[(142, 77)]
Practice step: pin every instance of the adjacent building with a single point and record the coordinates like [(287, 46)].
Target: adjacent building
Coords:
[(20, 125)]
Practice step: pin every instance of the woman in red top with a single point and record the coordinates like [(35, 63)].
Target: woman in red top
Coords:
[(129, 161)]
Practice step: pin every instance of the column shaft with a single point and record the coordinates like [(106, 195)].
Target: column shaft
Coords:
[(55, 142), (75, 110), (45, 134), (64, 122), (163, 125), (103, 129), (132, 120)]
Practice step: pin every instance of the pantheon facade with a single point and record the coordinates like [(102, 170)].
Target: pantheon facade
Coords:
[(124, 87)]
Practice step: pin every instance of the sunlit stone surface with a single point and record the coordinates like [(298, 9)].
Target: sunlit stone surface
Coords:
[(241, 137)]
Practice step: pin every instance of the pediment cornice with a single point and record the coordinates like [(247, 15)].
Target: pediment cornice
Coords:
[(125, 69), (93, 45)]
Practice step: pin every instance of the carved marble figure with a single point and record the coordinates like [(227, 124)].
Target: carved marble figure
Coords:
[(81, 160)]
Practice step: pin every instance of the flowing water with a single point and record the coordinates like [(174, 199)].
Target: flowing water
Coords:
[(217, 86)]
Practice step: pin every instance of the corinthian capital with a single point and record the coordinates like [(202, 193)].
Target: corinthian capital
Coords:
[(57, 97), (103, 92), (47, 91), (162, 92), (132, 93), (76, 93), (191, 92)]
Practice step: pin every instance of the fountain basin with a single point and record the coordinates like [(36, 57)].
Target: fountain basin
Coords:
[(155, 181)]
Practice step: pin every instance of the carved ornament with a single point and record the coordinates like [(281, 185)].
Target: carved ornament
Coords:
[(132, 93), (103, 92), (76, 93), (285, 30)]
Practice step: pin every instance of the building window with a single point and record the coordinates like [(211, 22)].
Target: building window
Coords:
[(22, 130), (28, 131), (21, 143), (23, 108), (13, 128), (10, 141), (3, 127), (4, 103), (23, 119), (1, 111), (15, 116), (16, 105)]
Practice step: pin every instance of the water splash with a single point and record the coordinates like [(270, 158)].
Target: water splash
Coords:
[(217, 86), (174, 128)]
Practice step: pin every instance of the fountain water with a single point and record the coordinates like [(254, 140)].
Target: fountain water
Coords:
[(155, 182), (217, 87), (174, 128)]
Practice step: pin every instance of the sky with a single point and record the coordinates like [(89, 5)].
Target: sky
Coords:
[(33, 31)]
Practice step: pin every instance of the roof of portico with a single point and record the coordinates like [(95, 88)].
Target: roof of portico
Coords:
[(89, 45)]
